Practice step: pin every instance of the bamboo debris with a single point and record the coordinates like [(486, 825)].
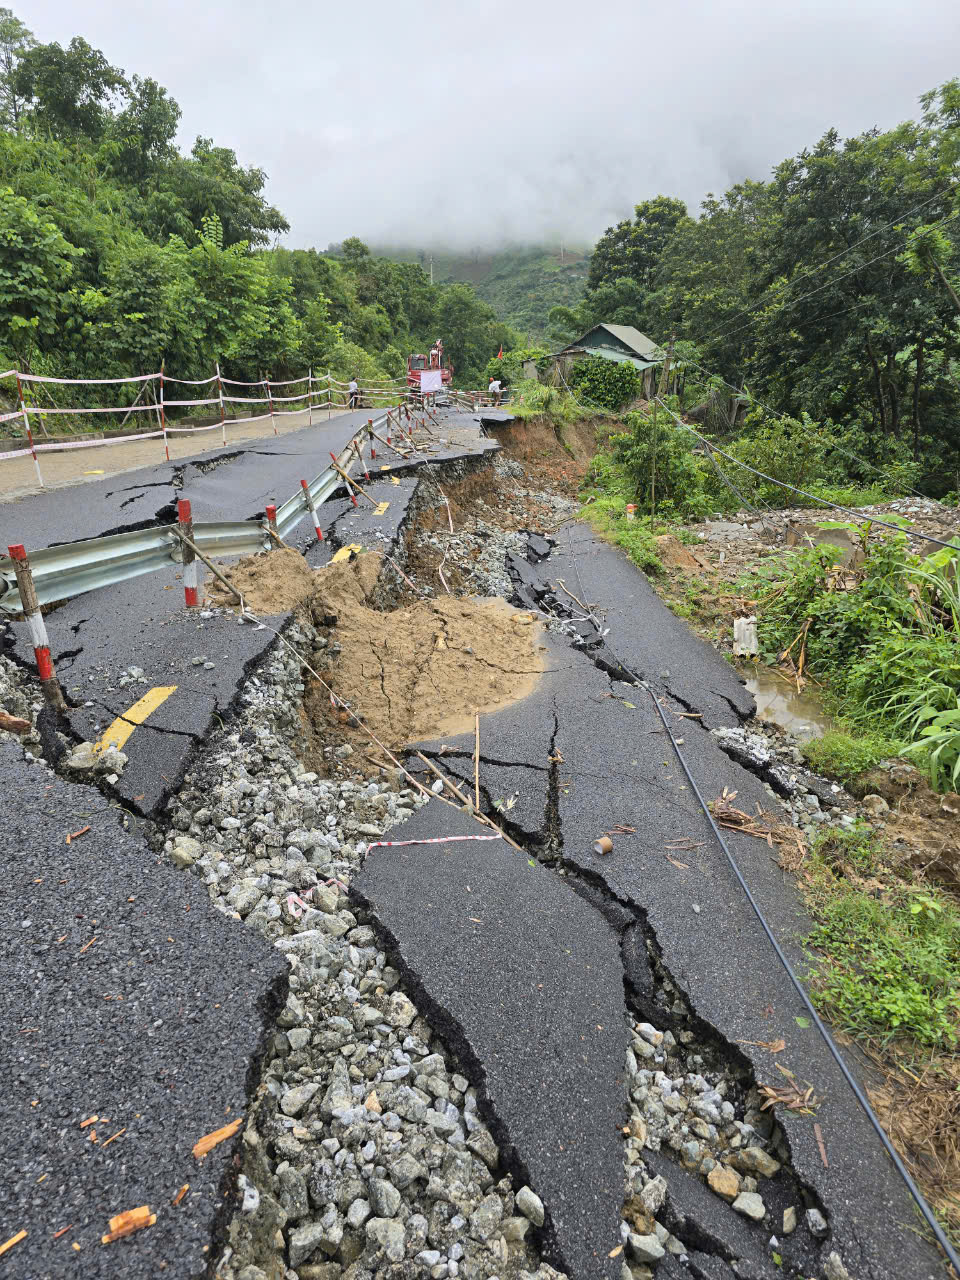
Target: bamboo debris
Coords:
[(211, 1140), (21, 1235), (124, 1224)]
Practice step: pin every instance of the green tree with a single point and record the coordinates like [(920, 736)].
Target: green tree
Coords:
[(15, 40), (633, 248), (36, 263), (69, 91)]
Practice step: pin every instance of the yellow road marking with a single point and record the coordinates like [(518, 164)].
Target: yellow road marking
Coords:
[(344, 552), (93, 473), (381, 508), (394, 480), (124, 725)]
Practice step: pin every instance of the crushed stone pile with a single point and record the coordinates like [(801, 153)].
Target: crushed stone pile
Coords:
[(270, 583), (420, 671)]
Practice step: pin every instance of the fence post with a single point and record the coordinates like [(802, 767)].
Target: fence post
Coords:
[(310, 396), (38, 629), (266, 383), (223, 416), (312, 508), (26, 423), (329, 395), (163, 416), (185, 522)]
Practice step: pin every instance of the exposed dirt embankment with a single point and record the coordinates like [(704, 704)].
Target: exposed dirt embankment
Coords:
[(419, 671), (556, 456)]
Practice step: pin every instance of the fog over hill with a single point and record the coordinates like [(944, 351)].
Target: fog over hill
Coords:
[(507, 123)]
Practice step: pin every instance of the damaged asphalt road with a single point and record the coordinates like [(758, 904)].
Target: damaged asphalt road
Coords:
[(538, 969), (127, 997), (490, 938), (586, 753)]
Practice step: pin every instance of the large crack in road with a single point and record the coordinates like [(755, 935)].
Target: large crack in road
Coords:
[(473, 1017)]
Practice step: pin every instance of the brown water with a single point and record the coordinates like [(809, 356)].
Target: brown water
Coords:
[(779, 703)]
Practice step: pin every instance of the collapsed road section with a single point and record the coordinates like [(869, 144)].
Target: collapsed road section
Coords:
[(494, 1050)]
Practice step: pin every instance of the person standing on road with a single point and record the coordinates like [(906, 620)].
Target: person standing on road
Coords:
[(494, 390), (354, 393)]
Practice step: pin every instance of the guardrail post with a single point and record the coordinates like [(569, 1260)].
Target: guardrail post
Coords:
[(312, 508), (26, 424), (273, 421), (163, 416), (271, 511), (343, 477), (223, 416), (185, 522), (38, 629), (310, 396), (373, 447)]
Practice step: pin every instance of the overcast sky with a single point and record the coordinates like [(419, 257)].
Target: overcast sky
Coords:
[(467, 124)]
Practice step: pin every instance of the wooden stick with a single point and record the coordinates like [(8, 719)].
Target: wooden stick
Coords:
[(350, 481), (21, 1235), (476, 762), (211, 1140), (480, 817)]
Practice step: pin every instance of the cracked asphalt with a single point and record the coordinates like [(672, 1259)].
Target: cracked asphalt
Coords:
[(533, 998)]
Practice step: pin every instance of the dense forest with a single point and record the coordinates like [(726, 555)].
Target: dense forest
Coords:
[(118, 251), (829, 290)]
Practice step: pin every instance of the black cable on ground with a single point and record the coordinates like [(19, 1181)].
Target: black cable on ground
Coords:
[(888, 1146)]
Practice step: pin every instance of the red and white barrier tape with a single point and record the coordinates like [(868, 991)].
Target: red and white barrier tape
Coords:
[(86, 382), (395, 844)]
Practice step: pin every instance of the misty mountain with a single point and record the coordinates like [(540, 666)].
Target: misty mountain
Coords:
[(521, 283)]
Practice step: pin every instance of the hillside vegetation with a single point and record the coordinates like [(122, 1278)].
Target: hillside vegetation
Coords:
[(830, 290), (522, 284), (118, 252)]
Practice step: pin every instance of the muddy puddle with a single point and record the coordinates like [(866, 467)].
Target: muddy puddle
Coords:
[(779, 703)]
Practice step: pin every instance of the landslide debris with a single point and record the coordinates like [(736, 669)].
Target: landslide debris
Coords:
[(419, 671), (270, 582)]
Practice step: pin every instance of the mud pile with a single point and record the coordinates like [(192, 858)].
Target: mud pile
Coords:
[(420, 671), (272, 582)]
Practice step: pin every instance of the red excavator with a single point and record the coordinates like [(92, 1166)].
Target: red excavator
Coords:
[(431, 372)]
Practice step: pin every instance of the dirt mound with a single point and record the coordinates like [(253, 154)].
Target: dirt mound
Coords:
[(420, 671), (674, 555), (922, 827), (272, 582)]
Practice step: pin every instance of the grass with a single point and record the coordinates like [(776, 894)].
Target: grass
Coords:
[(885, 953), (844, 756), (606, 496)]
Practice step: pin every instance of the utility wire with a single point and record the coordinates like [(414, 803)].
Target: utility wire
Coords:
[(813, 271), (891, 1151), (850, 511), (839, 448)]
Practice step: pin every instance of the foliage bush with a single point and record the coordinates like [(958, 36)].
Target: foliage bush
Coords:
[(510, 369), (883, 963), (891, 647), (605, 383), (844, 756)]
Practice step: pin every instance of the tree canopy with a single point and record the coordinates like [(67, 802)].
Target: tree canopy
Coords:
[(118, 251), (832, 289)]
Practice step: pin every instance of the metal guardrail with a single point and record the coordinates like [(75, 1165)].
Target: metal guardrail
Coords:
[(62, 572)]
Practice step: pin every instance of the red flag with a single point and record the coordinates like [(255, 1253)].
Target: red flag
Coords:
[(500, 352)]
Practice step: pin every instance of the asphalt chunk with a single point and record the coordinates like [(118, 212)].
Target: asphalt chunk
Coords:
[(523, 979), (125, 996)]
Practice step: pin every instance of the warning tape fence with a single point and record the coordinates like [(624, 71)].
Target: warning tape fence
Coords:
[(315, 393)]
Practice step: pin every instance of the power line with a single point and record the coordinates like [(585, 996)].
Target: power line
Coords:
[(839, 448), (850, 511), (813, 271)]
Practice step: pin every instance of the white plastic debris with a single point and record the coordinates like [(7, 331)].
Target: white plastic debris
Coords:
[(744, 637)]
